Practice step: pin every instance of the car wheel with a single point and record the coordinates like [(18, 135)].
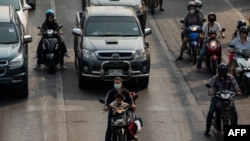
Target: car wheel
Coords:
[(81, 80), (143, 82), (24, 90)]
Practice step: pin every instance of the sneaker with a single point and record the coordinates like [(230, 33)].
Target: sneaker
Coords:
[(179, 58), (37, 67), (35, 56), (161, 9), (63, 67), (66, 54), (207, 133)]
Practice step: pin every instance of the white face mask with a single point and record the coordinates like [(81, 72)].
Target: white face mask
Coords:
[(191, 11)]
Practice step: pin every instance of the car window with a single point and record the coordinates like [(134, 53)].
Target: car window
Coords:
[(14, 3), (8, 33), (112, 26)]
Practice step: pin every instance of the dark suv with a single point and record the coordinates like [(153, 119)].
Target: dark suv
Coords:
[(13, 51), (109, 42)]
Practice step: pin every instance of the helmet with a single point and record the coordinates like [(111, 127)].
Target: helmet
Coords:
[(243, 29), (198, 3), (190, 4), (222, 70), (241, 23), (211, 14), (49, 12)]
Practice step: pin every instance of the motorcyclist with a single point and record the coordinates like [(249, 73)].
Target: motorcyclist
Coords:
[(192, 18), (220, 81), (118, 88), (50, 23), (236, 33), (240, 43), (211, 27), (198, 6)]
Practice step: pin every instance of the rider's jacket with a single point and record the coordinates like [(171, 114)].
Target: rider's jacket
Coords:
[(111, 96)]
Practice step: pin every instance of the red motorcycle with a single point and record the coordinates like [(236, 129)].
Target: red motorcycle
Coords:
[(213, 52)]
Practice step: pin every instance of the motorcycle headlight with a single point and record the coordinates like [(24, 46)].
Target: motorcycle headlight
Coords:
[(225, 96), (89, 55), (17, 62), (140, 54), (213, 44)]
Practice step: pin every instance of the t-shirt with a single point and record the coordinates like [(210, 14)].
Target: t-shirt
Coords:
[(215, 28)]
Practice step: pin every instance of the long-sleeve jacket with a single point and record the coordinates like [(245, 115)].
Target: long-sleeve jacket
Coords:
[(218, 85)]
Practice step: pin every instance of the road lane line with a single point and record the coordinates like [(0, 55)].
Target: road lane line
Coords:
[(60, 114), (171, 60)]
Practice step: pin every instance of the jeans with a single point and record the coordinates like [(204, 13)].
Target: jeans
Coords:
[(211, 111), (202, 54), (109, 128)]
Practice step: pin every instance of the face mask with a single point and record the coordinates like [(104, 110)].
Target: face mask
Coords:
[(211, 20), (117, 86), (191, 11), (198, 8)]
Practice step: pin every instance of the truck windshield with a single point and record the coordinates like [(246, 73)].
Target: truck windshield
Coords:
[(112, 26), (8, 33), (14, 3)]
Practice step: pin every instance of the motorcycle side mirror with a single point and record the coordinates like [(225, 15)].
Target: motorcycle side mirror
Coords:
[(208, 85), (204, 20), (39, 27), (101, 101), (182, 21), (60, 26), (232, 46), (223, 29)]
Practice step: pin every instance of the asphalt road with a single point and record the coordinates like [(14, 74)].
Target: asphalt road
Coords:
[(173, 107)]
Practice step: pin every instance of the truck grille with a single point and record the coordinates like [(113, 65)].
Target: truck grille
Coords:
[(2, 72), (115, 55)]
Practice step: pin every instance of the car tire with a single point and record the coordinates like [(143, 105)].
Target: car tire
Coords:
[(143, 82), (24, 89), (81, 80)]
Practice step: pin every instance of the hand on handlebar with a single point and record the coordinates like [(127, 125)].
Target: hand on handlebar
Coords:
[(238, 93), (105, 109)]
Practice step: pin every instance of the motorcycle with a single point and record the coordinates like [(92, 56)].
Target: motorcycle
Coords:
[(152, 4), (122, 124), (51, 52), (193, 48), (242, 71), (213, 52), (225, 109)]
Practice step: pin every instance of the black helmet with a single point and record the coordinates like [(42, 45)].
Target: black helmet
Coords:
[(222, 70), (211, 14), (243, 29), (241, 23), (198, 3), (190, 4)]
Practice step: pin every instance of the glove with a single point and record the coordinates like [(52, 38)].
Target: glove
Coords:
[(238, 93)]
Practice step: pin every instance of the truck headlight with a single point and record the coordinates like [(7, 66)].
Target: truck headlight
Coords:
[(17, 62), (140, 54), (89, 55)]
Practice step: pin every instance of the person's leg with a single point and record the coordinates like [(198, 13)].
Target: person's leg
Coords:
[(201, 56), (210, 115), (109, 128), (39, 55), (161, 2), (183, 47)]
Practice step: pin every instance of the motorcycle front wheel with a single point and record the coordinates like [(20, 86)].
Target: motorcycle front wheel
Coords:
[(246, 86)]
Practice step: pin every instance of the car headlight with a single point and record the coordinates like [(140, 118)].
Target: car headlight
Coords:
[(140, 54), (17, 62), (89, 55)]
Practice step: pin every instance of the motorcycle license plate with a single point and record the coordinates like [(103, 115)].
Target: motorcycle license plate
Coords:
[(115, 72)]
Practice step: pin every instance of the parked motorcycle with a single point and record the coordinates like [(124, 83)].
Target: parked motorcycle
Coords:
[(225, 109), (51, 52), (213, 52), (193, 47), (121, 123), (242, 71)]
